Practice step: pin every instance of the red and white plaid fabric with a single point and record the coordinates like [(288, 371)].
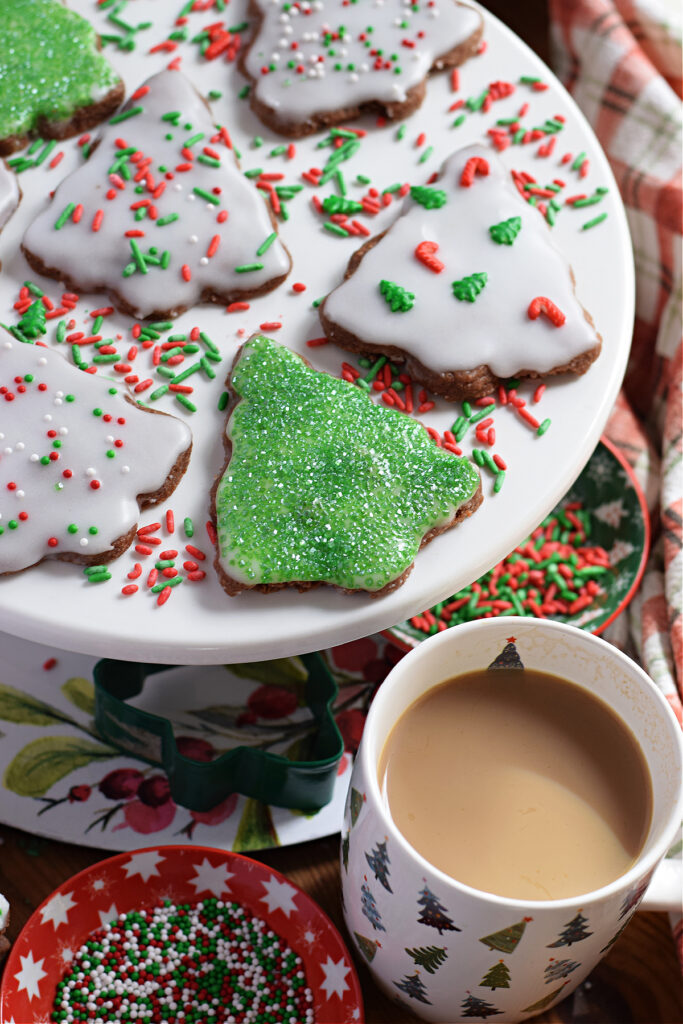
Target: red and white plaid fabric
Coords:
[(621, 60)]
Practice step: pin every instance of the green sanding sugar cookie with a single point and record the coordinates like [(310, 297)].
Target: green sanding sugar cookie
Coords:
[(53, 79), (324, 486)]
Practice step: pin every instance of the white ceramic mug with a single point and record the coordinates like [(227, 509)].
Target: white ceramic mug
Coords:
[(452, 953)]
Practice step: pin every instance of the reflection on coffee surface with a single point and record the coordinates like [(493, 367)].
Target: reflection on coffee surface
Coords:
[(518, 783)]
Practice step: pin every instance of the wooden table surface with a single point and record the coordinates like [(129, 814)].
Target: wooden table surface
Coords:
[(638, 982)]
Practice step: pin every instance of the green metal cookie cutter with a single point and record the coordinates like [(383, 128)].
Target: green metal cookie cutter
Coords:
[(271, 778)]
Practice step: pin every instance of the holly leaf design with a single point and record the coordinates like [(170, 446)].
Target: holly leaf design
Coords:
[(288, 672), (430, 198), (41, 763), (506, 231), (80, 692), (399, 299), (256, 830), (469, 287), (23, 709)]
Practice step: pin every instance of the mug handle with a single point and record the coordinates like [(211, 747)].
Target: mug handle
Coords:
[(665, 891)]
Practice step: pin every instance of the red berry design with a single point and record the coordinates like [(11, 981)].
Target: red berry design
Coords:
[(121, 784), (272, 702), (196, 748)]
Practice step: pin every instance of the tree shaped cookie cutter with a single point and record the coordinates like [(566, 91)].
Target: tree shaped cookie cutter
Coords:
[(272, 778)]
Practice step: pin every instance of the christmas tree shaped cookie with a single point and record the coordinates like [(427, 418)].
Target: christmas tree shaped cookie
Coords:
[(465, 287), (323, 486), (79, 460), (160, 217), (319, 62), (53, 80)]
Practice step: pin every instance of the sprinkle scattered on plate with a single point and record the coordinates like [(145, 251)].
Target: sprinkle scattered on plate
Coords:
[(581, 565)]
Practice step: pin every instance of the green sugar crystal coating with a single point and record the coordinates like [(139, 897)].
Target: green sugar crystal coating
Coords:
[(49, 65), (323, 485)]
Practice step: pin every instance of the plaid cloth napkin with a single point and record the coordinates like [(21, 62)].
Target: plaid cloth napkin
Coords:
[(621, 60)]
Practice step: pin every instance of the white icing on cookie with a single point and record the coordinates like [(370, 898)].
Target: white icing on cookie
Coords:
[(9, 193), (446, 334), (210, 236), (64, 464), (315, 57)]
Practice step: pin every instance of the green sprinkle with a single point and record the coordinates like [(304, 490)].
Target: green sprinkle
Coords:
[(484, 411), (159, 392), (174, 580), (45, 152), (529, 80), (588, 201), (255, 173), (61, 330), (265, 245), (578, 161), (99, 577), (278, 151), (426, 155), (247, 268), (184, 374), (500, 480), (592, 223), (64, 215), (188, 525), (477, 102), (138, 258), (209, 196), (458, 121), (125, 114), (168, 219), (207, 341), (336, 229), (223, 401), (194, 140), (401, 132), (543, 427), (244, 92), (363, 179)]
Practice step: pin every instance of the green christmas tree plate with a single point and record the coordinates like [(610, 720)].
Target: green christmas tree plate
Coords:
[(582, 564)]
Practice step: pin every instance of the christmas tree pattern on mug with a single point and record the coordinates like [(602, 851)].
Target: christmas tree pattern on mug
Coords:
[(429, 957), (160, 216), (497, 976), (53, 80), (79, 460), (355, 804), (369, 907), (320, 62), (559, 969), (508, 657), (379, 863), (368, 947), (434, 913), (323, 486), (472, 1006), (466, 287), (507, 939), (574, 931), (414, 987), (545, 1001)]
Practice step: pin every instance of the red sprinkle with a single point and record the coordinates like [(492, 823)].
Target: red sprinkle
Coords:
[(425, 252), (543, 305), (475, 165)]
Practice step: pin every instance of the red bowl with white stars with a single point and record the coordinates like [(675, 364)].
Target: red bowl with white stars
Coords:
[(182, 874)]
